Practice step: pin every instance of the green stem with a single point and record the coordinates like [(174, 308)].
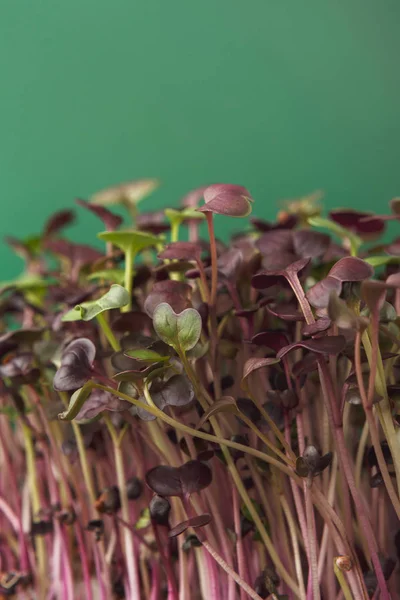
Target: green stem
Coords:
[(129, 260), (342, 580), (36, 503), (114, 343)]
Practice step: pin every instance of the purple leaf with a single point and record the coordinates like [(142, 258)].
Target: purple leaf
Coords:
[(189, 251), (271, 339), (175, 293), (330, 344), (227, 199), (98, 402), (58, 221), (310, 244), (253, 364), (191, 477), (76, 365), (351, 268), (153, 222), (110, 220), (177, 391), (362, 223), (318, 296), (192, 199), (195, 522), (224, 404), (318, 327)]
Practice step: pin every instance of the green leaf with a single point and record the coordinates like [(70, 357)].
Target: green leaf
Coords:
[(114, 275), (130, 239), (178, 216), (145, 355), (340, 231), (116, 297), (76, 402), (181, 331), (27, 282), (379, 261)]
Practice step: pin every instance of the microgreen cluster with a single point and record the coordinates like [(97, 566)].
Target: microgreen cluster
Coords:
[(195, 419)]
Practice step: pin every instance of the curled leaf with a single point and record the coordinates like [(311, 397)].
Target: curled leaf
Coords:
[(227, 199), (76, 365), (116, 297)]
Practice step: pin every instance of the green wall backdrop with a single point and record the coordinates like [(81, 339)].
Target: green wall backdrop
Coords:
[(283, 96)]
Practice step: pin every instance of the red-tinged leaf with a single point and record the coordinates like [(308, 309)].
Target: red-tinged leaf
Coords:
[(374, 295), (224, 404), (363, 223), (58, 221), (253, 364), (276, 242), (318, 327), (310, 244), (351, 268), (175, 293), (227, 199), (152, 222), (329, 344), (286, 312), (271, 339), (110, 220), (192, 199), (195, 522), (318, 295), (190, 251)]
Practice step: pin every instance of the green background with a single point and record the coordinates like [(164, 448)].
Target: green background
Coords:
[(282, 96)]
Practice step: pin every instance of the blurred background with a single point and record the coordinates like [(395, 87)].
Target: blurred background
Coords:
[(284, 97)]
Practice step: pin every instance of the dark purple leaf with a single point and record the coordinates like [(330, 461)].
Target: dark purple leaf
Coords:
[(20, 368), (134, 488), (286, 312), (195, 522), (330, 344), (318, 327), (227, 199), (177, 391), (268, 278), (58, 221), (76, 365), (318, 296), (98, 402), (253, 364), (357, 221), (351, 268), (312, 463), (133, 321), (159, 510), (165, 480), (195, 476), (175, 293), (110, 220), (189, 251), (308, 364), (191, 477), (276, 242), (310, 244), (152, 222), (271, 339)]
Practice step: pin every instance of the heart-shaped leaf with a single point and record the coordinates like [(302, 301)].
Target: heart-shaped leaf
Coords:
[(116, 297), (351, 268), (188, 479), (195, 522), (189, 251), (181, 331), (227, 199), (76, 365), (177, 391)]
